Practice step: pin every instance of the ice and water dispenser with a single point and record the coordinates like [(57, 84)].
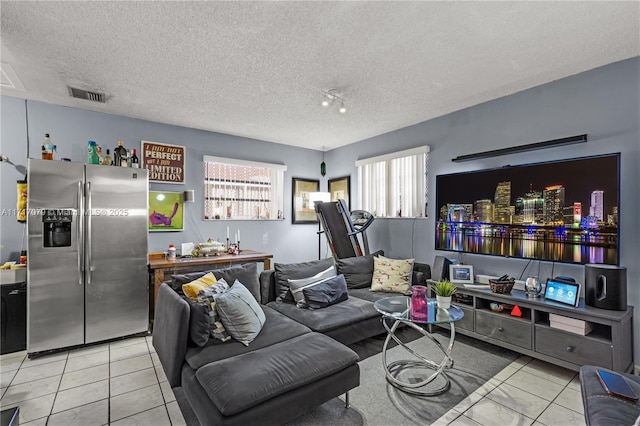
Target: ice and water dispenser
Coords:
[(57, 227)]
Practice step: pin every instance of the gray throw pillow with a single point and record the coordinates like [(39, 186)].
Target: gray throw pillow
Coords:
[(294, 271), (296, 286), (358, 271), (208, 297), (326, 293), (240, 313), (246, 274)]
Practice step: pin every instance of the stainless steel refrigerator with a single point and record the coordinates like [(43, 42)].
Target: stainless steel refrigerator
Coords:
[(87, 254)]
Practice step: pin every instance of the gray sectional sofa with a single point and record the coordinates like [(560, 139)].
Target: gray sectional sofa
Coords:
[(297, 362)]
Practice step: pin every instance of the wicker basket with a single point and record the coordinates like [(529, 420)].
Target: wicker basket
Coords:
[(502, 287)]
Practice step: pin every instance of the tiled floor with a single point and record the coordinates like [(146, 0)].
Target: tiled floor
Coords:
[(118, 383), (122, 383)]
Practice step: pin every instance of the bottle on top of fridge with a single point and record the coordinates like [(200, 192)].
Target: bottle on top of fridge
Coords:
[(128, 163), (135, 162), (47, 148), (107, 161), (93, 157), (119, 153), (99, 151)]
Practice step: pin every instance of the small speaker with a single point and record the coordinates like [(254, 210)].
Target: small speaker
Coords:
[(605, 286), (189, 196), (440, 270)]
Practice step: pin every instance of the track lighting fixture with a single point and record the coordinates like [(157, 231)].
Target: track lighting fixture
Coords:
[(331, 96)]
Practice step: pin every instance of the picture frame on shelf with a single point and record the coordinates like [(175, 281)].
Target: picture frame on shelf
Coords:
[(461, 274), (340, 188), (166, 211), (302, 210)]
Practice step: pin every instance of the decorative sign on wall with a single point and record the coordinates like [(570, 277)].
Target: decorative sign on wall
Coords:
[(165, 162)]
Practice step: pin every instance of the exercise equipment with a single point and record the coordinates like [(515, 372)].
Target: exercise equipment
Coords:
[(342, 228)]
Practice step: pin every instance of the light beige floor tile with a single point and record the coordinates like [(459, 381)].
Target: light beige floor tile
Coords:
[(35, 408), (490, 385), (464, 421), (130, 365), (167, 393), (81, 362), (81, 395), (446, 418), (95, 413), (150, 344), (575, 383), (38, 372), (466, 403), (135, 402), (571, 399), (175, 414), (535, 384), (518, 400), (37, 422), (132, 381), (127, 342), (505, 373), (156, 416), (521, 361), (88, 350), (2, 391), (160, 373), (83, 377), (488, 412), (556, 415), (45, 359), (551, 372), (11, 364), (155, 359), (30, 390), (19, 354), (129, 351), (6, 377)]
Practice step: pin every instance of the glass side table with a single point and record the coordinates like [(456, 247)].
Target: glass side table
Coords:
[(398, 310)]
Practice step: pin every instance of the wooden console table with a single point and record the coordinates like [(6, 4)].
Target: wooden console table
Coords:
[(159, 267)]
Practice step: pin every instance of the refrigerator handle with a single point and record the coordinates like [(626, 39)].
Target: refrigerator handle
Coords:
[(80, 232), (87, 249)]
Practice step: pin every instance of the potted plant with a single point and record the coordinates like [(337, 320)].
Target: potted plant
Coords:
[(444, 289)]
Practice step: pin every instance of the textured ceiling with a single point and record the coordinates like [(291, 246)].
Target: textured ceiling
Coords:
[(258, 69)]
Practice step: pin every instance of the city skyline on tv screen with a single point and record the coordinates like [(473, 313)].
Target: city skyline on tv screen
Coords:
[(563, 211)]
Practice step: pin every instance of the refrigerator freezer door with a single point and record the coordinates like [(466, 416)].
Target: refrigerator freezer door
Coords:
[(55, 292), (117, 296)]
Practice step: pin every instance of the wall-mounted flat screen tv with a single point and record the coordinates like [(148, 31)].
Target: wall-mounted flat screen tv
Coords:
[(560, 211)]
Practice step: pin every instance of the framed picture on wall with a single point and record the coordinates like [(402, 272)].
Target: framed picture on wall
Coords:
[(166, 211), (340, 189), (303, 210)]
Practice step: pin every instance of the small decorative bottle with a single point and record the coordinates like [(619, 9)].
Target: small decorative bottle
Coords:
[(419, 303), (93, 157), (107, 161)]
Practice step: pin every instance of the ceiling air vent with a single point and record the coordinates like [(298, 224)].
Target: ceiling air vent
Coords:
[(86, 95)]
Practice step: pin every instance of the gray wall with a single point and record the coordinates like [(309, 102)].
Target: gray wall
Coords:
[(603, 103), (71, 128)]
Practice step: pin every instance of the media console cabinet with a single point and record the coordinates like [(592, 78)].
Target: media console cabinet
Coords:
[(609, 344)]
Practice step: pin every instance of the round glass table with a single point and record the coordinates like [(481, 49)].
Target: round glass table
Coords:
[(398, 310)]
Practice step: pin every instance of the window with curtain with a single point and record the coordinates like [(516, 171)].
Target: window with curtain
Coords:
[(394, 185), (243, 190)]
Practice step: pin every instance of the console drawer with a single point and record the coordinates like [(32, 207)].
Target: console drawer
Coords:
[(466, 323), (573, 348), (500, 327)]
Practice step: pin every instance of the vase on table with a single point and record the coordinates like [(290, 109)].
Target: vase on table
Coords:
[(444, 302), (419, 303)]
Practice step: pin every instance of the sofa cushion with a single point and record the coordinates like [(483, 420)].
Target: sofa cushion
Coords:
[(326, 293), (296, 286), (600, 408), (358, 270), (240, 313), (277, 328), (295, 271), (342, 314), (239, 383), (392, 275), (367, 294), (192, 288), (246, 273)]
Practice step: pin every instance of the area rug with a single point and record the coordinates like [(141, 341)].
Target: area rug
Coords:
[(375, 402)]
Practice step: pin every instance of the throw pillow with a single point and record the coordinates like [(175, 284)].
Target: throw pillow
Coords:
[(296, 286), (191, 289), (240, 313), (358, 270), (326, 293), (208, 296), (293, 271), (391, 275)]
